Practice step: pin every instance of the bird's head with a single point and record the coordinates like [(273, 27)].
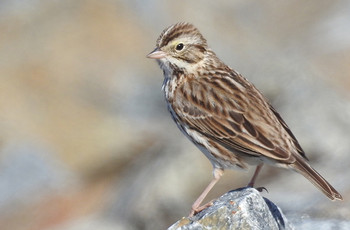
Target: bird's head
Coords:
[(180, 46)]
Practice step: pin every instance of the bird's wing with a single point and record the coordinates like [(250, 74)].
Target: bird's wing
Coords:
[(235, 115)]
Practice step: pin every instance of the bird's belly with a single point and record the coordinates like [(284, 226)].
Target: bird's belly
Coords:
[(219, 156)]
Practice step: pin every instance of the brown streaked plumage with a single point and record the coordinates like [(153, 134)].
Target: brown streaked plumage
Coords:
[(223, 114)]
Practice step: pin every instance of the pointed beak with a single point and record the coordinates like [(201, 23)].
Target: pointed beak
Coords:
[(156, 54)]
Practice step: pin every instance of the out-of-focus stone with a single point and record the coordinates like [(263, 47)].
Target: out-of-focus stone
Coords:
[(238, 209)]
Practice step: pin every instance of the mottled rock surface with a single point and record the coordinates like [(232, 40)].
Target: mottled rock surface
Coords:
[(238, 209)]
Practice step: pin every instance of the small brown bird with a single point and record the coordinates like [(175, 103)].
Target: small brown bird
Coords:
[(223, 114)]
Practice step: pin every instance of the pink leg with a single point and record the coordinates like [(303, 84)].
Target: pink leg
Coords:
[(195, 207), (256, 173)]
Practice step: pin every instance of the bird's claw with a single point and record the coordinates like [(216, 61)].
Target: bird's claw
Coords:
[(194, 211), (260, 189)]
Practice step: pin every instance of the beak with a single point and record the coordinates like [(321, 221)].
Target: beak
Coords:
[(156, 54)]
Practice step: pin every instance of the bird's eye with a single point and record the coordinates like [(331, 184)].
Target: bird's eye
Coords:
[(179, 46)]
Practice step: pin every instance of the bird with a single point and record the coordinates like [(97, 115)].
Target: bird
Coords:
[(224, 114)]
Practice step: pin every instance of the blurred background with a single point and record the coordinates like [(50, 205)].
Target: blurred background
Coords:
[(86, 141)]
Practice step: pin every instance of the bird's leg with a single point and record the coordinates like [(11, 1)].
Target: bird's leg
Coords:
[(195, 207), (256, 173)]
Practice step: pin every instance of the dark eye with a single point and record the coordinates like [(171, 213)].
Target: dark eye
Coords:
[(179, 46)]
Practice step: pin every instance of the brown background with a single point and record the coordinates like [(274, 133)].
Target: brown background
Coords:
[(85, 138)]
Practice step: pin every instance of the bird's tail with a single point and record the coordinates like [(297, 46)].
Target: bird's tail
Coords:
[(301, 166)]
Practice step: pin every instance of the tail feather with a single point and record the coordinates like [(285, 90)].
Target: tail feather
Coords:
[(316, 179)]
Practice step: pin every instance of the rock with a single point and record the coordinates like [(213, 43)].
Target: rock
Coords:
[(242, 208)]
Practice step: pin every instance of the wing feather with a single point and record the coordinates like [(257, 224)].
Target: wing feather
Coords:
[(248, 125)]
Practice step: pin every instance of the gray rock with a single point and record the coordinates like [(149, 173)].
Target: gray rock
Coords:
[(243, 208)]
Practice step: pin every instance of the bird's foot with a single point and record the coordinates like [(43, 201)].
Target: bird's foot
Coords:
[(196, 210), (260, 189)]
